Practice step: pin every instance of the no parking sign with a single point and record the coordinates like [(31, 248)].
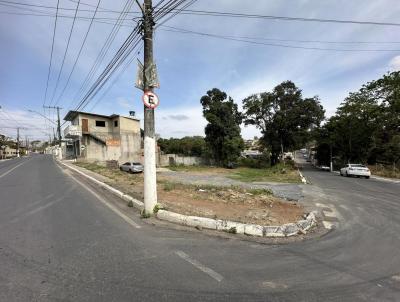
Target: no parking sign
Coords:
[(150, 99)]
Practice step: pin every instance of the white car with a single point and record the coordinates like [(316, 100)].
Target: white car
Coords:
[(131, 167), (325, 168), (355, 170)]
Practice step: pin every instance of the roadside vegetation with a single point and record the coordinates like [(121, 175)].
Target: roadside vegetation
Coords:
[(248, 205), (366, 128), (281, 172)]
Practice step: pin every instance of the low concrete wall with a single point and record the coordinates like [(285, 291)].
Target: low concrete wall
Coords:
[(175, 159)]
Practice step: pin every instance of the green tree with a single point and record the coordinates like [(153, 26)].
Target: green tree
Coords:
[(189, 145), (285, 118), (223, 137), (366, 126)]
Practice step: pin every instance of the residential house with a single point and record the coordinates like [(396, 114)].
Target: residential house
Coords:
[(95, 137), (7, 152)]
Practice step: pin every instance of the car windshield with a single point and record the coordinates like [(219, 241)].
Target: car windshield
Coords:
[(358, 166), (136, 164)]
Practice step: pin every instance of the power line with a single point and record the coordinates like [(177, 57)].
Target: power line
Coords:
[(65, 53), (185, 31), (51, 54), (298, 41), (79, 54), (243, 15), (104, 50), (229, 36)]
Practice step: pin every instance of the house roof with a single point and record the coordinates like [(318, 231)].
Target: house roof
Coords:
[(71, 115)]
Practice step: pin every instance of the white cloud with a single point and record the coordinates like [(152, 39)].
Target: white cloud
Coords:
[(394, 63)]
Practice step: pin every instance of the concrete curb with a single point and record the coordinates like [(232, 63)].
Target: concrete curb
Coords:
[(136, 203), (285, 230), (303, 179)]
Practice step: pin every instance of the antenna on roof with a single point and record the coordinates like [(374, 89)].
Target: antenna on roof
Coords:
[(132, 113)]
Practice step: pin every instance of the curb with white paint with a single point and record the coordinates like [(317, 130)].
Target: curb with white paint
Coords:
[(285, 230), (303, 179)]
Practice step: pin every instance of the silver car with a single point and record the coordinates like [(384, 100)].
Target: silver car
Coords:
[(131, 167)]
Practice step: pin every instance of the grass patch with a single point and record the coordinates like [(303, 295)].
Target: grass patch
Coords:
[(278, 173), (384, 171), (182, 168), (114, 174)]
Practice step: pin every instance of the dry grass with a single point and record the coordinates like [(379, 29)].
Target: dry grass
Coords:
[(232, 203)]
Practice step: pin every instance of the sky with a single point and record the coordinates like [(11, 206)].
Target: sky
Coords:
[(188, 64)]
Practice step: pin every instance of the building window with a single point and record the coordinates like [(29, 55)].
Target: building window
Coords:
[(100, 123), (115, 123)]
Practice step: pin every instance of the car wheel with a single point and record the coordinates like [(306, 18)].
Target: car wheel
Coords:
[(130, 171), (120, 168), (341, 174), (347, 174), (366, 177)]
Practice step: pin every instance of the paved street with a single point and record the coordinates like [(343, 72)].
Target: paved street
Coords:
[(60, 242)]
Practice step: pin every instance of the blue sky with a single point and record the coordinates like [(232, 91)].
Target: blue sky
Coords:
[(190, 64)]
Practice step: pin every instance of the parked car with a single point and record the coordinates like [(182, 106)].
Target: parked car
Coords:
[(355, 170), (132, 167), (324, 168)]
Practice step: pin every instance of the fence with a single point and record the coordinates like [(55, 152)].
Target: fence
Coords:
[(175, 159)]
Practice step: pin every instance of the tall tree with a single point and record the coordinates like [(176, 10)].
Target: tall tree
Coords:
[(223, 137), (366, 126), (284, 117)]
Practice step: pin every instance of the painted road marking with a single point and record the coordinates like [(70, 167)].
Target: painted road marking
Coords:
[(12, 169), (274, 285), (329, 214), (106, 203), (213, 274), (328, 225)]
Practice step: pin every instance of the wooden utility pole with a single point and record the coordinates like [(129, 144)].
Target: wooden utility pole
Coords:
[(150, 177)]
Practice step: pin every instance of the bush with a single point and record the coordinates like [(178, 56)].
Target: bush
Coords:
[(260, 162)]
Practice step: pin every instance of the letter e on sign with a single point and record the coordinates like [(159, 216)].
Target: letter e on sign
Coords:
[(150, 100)]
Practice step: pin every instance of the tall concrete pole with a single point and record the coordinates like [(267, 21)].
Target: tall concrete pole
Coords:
[(150, 177), (18, 142), (58, 126)]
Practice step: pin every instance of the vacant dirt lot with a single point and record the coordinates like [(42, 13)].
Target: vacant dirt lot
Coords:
[(234, 203)]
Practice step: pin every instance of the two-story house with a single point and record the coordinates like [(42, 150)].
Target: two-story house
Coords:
[(95, 137)]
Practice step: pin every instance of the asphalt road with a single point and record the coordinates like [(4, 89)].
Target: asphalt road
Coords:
[(60, 242)]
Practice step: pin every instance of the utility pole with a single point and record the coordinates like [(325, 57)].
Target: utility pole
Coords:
[(150, 177), (58, 122), (17, 141)]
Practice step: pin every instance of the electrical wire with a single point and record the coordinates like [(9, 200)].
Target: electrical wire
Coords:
[(104, 50), (51, 54), (65, 53), (79, 54), (253, 16), (185, 31)]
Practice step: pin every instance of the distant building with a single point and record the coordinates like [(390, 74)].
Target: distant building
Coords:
[(7, 152), (95, 137)]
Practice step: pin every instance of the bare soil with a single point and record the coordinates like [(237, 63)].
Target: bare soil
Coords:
[(228, 203)]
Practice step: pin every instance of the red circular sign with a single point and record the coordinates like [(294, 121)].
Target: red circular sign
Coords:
[(150, 99)]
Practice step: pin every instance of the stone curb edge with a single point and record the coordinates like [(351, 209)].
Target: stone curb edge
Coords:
[(285, 230), (136, 203), (303, 179)]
